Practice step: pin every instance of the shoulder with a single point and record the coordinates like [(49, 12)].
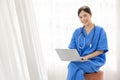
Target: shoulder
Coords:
[(78, 30), (99, 28), (100, 31)]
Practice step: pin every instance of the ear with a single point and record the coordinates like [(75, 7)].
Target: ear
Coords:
[(90, 15)]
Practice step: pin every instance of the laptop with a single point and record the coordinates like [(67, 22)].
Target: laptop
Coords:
[(68, 54)]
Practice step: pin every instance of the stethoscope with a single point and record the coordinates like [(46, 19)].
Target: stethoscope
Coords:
[(84, 39)]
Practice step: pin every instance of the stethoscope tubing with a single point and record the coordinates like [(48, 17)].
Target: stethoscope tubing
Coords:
[(84, 39)]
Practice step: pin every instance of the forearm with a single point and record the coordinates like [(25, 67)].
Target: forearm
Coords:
[(94, 54)]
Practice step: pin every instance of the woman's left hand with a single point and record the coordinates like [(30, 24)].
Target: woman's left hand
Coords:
[(84, 58)]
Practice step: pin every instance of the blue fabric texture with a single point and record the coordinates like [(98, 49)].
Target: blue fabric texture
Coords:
[(76, 70)]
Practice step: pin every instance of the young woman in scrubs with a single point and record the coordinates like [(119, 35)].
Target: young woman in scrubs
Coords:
[(90, 40)]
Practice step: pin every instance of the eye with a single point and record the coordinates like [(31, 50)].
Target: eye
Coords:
[(85, 15), (80, 17)]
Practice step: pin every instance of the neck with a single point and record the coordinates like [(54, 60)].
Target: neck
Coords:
[(89, 26)]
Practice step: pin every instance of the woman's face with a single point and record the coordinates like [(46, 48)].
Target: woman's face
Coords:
[(85, 18)]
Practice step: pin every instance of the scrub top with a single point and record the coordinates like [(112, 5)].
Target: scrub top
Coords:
[(81, 41)]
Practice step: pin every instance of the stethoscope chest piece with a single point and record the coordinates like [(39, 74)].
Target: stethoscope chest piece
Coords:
[(90, 45)]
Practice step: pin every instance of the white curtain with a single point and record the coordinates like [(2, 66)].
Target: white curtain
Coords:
[(20, 50), (59, 19), (118, 38)]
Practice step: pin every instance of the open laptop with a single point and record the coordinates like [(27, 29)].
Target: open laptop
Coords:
[(68, 55)]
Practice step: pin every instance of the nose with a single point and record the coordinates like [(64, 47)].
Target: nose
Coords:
[(83, 19)]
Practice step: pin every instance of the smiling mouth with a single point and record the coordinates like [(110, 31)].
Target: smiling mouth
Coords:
[(84, 22)]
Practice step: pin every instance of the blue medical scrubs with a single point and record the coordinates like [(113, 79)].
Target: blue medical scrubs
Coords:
[(76, 70)]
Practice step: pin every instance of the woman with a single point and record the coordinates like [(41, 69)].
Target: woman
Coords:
[(90, 40)]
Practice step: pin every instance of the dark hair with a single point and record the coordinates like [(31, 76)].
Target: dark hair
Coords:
[(84, 8)]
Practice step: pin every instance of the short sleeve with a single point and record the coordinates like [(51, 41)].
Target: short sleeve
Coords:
[(72, 44), (102, 43)]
